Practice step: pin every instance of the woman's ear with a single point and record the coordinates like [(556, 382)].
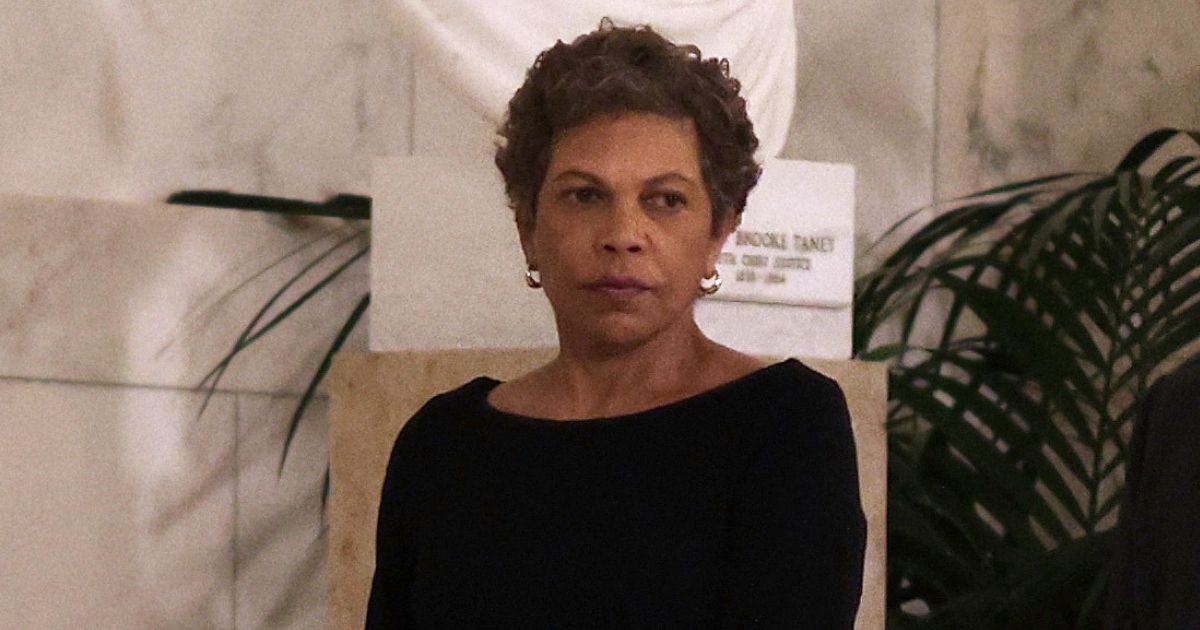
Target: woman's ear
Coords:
[(727, 227), (528, 250), (525, 232)]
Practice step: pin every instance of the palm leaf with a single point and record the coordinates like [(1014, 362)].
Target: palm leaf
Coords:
[(1057, 300), (250, 333), (326, 361), (340, 206)]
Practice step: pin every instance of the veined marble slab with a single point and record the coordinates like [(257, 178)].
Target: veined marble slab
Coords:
[(280, 543), (865, 96), (134, 100), (154, 294), (118, 508), (124, 511), (1032, 88)]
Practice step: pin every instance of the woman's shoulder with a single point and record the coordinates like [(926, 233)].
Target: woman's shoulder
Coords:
[(806, 421), (767, 396), (447, 404), (789, 376), (792, 396), (815, 389), (731, 365)]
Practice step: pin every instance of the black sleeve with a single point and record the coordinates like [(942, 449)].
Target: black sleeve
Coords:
[(389, 606), (798, 533)]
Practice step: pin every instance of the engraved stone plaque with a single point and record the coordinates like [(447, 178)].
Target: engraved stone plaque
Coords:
[(795, 244)]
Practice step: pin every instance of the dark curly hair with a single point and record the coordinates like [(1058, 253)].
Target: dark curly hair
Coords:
[(614, 70)]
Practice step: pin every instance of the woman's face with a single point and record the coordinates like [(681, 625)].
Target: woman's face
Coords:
[(622, 230)]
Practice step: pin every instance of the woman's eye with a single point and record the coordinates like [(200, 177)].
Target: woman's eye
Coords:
[(584, 196), (668, 200)]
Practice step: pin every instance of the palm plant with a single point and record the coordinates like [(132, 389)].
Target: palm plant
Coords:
[(1022, 326)]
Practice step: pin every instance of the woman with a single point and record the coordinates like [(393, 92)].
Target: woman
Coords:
[(647, 477)]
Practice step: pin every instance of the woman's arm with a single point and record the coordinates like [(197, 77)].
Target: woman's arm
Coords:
[(389, 606), (798, 533)]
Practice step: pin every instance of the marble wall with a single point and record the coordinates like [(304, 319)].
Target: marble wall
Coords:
[(125, 508), (133, 513), (131, 100), (865, 94), (1030, 88), (122, 510)]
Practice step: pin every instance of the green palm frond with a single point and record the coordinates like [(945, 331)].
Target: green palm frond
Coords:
[(1056, 301), (349, 248), (254, 331), (326, 362)]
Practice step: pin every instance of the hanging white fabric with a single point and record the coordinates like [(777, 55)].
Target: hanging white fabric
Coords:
[(482, 48)]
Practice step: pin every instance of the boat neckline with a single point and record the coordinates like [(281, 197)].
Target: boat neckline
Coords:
[(486, 384)]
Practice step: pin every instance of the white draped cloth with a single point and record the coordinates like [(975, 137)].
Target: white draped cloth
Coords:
[(482, 48)]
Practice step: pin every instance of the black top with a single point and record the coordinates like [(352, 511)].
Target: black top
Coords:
[(734, 508)]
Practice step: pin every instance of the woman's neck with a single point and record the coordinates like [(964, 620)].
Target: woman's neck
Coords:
[(591, 382)]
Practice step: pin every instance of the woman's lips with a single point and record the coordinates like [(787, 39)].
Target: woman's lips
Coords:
[(617, 291), (622, 287)]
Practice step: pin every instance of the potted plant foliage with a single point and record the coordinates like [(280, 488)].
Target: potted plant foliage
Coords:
[(1022, 326)]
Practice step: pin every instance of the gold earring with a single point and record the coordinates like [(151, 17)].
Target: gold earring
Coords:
[(711, 284), (533, 282)]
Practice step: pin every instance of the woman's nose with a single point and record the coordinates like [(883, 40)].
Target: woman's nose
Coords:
[(624, 230)]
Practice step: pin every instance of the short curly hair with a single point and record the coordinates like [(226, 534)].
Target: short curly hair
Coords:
[(613, 70)]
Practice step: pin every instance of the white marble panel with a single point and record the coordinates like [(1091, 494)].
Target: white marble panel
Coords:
[(133, 100), (118, 508), (1031, 88), (156, 294), (865, 94), (281, 544)]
